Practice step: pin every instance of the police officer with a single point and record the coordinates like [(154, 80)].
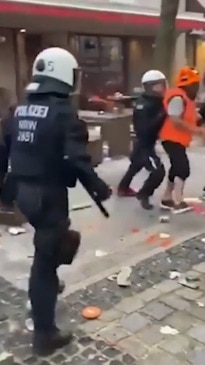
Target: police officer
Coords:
[(7, 183), (148, 117), (47, 155)]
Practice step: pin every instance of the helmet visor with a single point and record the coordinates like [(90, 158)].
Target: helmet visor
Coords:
[(77, 79)]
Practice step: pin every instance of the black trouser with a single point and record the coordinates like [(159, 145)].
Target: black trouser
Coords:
[(178, 160), (148, 159), (46, 209), (8, 192)]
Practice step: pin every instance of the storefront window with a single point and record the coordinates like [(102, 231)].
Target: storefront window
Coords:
[(111, 64), (194, 6), (101, 60), (89, 52)]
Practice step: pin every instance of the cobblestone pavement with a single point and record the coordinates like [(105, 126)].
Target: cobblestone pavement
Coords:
[(129, 329)]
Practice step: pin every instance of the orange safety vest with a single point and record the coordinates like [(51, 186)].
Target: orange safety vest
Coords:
[(169, 131)]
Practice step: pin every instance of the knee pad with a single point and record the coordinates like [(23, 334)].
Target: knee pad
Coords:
[(69, 247)]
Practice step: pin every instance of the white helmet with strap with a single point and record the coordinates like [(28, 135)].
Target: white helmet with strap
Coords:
[(152, 76), (54, 66)]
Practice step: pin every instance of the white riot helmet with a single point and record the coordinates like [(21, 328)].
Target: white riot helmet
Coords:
[(154, 82), (152, 76), (55, 70)]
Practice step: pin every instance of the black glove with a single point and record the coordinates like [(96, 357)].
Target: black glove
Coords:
[(102, 191)]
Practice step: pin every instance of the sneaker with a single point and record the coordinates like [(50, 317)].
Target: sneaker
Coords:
[(144, 201), (46, 343), (123, 193), (167, 204), (182, 208)]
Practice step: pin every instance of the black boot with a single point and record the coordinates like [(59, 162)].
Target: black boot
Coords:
[(45, 343), (144, 201)]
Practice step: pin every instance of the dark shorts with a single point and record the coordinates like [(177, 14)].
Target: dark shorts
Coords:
[(178, 160)]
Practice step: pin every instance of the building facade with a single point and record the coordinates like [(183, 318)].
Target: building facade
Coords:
[(112, 39)]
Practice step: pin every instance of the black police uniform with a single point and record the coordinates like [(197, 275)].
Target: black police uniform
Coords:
[(201, 123), (7, 183), (48, 154), (148, 118)]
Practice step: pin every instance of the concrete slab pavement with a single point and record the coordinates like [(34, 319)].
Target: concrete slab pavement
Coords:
[(123, 238)]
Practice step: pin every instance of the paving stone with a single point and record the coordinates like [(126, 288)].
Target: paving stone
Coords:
[(182, 321), (85, 341), (175, 302), (22, 352), (149, 295), (197, 312), (32, 360), (72, 349), (76, 360), (198, 357), (111, 352), (150, 335), (160, 357), (45, 362), (202, 283), (113, 334), (93, 326), (167, 286), (100, 345), (134, 347), (134, 322), (201, 300), (200, 267), (6, 358), (157, 310), (198, 333), (127, 359), (189, 294), (58, 359), (89, 353), (97, 360), (176, 345), (130, 305), (111, 315), (3, 312), (116, 362)]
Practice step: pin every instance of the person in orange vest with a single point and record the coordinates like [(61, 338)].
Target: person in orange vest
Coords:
[(176, 134)]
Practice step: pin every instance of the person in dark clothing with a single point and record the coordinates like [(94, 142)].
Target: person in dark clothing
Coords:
[(8, 184), (201, 123), (47, 150), (148, 118)]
